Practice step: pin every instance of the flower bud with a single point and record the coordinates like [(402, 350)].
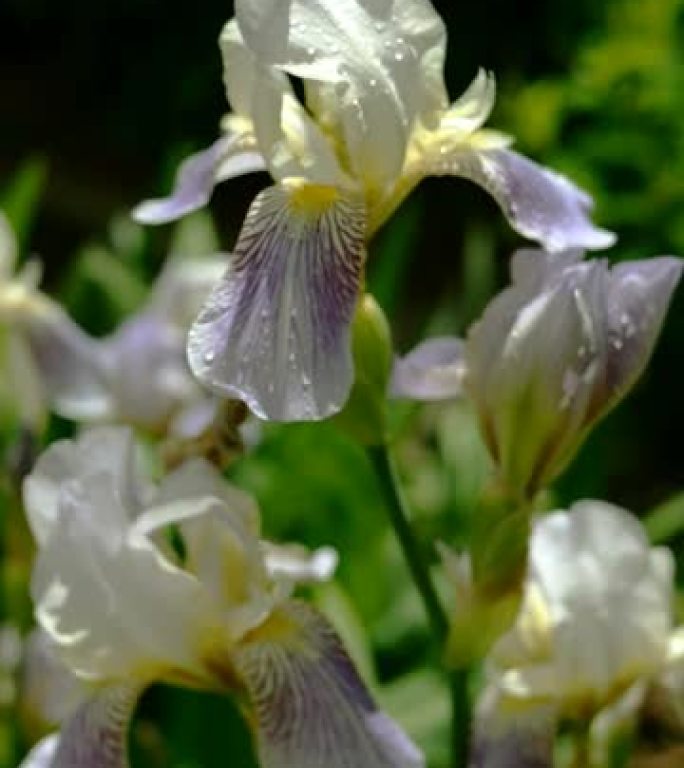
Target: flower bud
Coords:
[(555, 351), (364, 415)]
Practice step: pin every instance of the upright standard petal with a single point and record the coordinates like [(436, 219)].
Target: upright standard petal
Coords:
[(108, 449), (311, 707), (608, 629), (232, 155), (373, 69), (538, 203), (434, 370), (276, 331), (95, 736)]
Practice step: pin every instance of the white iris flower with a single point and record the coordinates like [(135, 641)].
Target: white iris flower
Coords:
[(377, 120), (551, 355), (124, 607), (594, 634), (137, 375)]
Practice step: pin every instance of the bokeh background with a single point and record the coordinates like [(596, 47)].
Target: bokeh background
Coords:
[(100, 101)]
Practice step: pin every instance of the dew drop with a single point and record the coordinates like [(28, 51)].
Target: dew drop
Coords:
[(399, 56), (372, 83), (311, 50), (209, 357)]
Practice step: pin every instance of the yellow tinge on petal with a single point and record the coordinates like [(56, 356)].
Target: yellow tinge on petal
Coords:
[(310, 199)]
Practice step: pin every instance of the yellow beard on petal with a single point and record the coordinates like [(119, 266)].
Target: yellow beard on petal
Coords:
[(308, 199)]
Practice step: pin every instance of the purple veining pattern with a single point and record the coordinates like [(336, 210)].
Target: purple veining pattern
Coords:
[(312, 709), (96, 735), (276, 330)]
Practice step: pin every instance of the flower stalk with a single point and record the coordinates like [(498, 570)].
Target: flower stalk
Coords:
[(458, 679)]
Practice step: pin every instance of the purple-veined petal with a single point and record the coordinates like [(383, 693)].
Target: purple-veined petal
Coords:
[(276, 331), (510, 734), (432, 371), (196, 178), (538, 203), (312, 710), (95, 736)]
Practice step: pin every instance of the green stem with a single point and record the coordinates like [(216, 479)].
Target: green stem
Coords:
[(396, 509), (458, 680)]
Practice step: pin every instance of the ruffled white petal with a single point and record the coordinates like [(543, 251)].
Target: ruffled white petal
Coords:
[(290, 142), (106, 449), (538, 203), (112, 603), (434, 370), (609, 596), (227, 158), (311, 708), (275, 332), (373, 69)]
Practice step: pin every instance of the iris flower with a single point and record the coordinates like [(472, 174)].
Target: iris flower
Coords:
[(44, 356), (594, 635), (137, 375), (124, 608), (550, 356), (376, 120)]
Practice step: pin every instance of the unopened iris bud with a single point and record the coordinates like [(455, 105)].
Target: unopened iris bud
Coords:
[(364, 416), (555, 351)]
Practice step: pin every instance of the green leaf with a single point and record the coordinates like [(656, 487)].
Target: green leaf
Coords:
[(20, 199), (666, 521)]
